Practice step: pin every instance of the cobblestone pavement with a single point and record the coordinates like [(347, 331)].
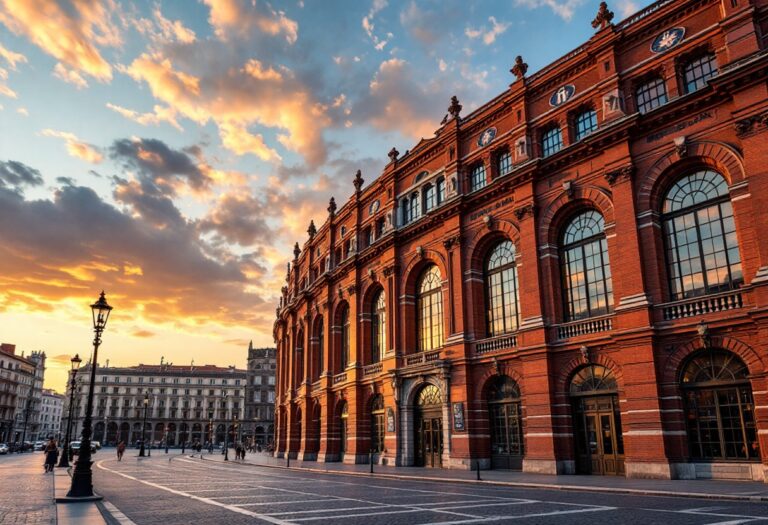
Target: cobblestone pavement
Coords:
[(26, 492), (187, 490)]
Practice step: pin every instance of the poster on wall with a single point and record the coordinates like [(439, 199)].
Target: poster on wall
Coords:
[(458, 416), (390, 420)]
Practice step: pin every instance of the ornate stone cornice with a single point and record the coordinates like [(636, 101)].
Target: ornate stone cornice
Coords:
[(751, 125), (450, 242), (524, 211), (618, 175)]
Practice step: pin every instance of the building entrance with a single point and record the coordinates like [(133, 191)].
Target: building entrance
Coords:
[(428, 424)]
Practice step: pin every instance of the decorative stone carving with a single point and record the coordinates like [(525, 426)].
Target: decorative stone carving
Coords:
[(352, 289), (570, 188), (521, 149), (497, 366), (681, 146), (358, 182), (619, 175), (519, 69), (488, 220), (312, 231), (455, 108), (393, 154), (420, 252), (389, 270), (372, 274), (450, 242), (332, 206), (603, 18), (751, 124), (584, 349), (523, 211), (612, 104), (296, 251)]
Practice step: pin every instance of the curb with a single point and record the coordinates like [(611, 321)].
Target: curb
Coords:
[(530, 485)]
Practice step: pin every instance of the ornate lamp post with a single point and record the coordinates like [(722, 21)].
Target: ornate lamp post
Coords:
[(64, 460), (144, 425), (184, 424), (226, 430), (82, 477), (166, 438)]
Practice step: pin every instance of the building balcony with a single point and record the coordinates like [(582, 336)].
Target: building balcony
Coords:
[(696, 306), (373, 369), (582, 327), (495, 344), (421, 358)]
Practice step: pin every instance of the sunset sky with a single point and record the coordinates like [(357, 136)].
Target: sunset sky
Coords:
[(172, 153)]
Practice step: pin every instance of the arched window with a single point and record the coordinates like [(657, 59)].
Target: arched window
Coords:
[(430, 309), (430, 198), (378, 327), (300, 357), (502, 296), (593, 379), (377, 424), (585, 266), (719, 408), (700, 236), (344, 337), (320, 335)]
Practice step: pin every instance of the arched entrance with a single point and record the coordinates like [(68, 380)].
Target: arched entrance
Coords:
[(597, 421), (719, 408), (343, 430), (505, 422), (428, 425)]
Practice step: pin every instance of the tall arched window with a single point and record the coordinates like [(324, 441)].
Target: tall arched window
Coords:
[(300, 357), (700, 236), (344, 337), (320, 334), (430, 309), (585, 267), (719, 408), (378, 327), (377, 424), (501, 290)]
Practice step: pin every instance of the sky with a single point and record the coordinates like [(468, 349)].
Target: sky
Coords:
[(171, 153)]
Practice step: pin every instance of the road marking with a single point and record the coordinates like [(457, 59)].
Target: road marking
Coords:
[(286, 502), (264, 517), (344, 516), (318, 511), (520, 517), (117, 514)]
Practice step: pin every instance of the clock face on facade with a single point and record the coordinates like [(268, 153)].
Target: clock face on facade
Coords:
[(668, 39), (486, 137), (562, 95)]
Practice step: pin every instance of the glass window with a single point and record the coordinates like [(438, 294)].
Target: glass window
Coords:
[(501, 290), (377, 424), (651, 95), (430, 309), (477, 177), (415, 207), (378, 327), (440, 190), (344, 337), (700, 236), (551, 142), (698, 71), (504, 163), (404, 211), (300, 357), (320, 331), (719, 407), (586, 123), (586, 269), (430, 197)]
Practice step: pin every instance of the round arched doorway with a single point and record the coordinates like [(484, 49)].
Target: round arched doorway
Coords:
[(597, 421), (719, 408), (428, 425), (505, 422)]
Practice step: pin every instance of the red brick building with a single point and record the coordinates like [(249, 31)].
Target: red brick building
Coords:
[(569, 279)]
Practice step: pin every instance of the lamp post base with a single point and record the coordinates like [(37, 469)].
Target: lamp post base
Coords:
[(73, 499)]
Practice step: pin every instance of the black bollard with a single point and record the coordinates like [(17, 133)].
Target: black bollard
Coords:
[(370, 460), (477, 463), (287, 461)]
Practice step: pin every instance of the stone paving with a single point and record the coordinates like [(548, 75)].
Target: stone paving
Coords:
[(26, 492)]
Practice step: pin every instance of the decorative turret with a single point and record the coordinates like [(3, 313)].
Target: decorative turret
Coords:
[(519, 69), (358, 182), (603, 18), (312, 231), (455, 108), (332, 207), (296, 251), (393, 154)]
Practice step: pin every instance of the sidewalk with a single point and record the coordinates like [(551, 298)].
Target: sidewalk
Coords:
[(708, 489), (73, 513), (27, 495)]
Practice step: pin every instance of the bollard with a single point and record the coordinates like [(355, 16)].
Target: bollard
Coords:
[(477, 464), (370, 460), (287, 461)]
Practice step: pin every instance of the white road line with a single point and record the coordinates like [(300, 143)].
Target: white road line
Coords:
[(344, 516), (264, 517), (286, 502), (318, 511), (117, 514), (520, 517), (732, 522), (483, 505)]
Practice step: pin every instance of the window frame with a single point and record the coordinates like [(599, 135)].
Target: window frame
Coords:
[(550, 146), (429, 306), (501, 271), (696, 83), (478, 177), (643, 87), (579, 133)]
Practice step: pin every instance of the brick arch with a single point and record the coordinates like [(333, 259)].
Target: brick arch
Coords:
[(562, 385), (724, 158), (410, 397), (490, 374), (564, 205), (673, 364), (416, 265), (337, 309), (481, 241), (370, 288)]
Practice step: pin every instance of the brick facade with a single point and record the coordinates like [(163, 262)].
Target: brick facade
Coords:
[(381, 240)]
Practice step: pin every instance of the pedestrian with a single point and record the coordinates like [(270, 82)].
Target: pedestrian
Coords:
[(120, 450), (51, 455)]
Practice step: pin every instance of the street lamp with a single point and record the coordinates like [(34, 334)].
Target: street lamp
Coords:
[(166, 438), (144, 425), (82, 477), (184, 424), (64, 460), (226, 430)]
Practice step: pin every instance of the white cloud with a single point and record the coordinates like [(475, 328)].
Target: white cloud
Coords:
[(11, 57), (488, 35), (22, 111), (442, 65), (69, 76), (562, 8), (369, 26), (159, 114), (75, 146)]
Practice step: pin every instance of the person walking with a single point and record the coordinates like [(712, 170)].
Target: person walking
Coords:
[(120, 450), (51, 455)]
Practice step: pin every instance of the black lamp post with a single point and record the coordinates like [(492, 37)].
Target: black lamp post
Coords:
[(184, 424), (226, 430), (166, 438), (144, 425), (82, 477), (64, 460)]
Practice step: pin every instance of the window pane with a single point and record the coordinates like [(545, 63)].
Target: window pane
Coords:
[(651, 95), (501, 290), (430, 310), (586, 123), (477, 177), (505, 163), (698, 71), (551, 142)]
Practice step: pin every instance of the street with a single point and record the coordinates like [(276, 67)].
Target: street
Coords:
[(187, 490)]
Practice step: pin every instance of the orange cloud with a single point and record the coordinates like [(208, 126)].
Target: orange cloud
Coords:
[(12, 58), (236, 16), (75, 146), (70, 76), (159, 114), (72, 33)]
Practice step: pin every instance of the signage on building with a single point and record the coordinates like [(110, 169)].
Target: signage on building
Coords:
[(562, 95), (390, 420), (458, 416), (668, 39), (486, 137)]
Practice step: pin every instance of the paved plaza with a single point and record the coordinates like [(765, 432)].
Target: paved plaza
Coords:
[(181, 489)]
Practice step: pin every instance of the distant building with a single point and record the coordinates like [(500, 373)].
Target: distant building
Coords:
[(21, 389), (50, 414), (191, 403), (260, 394)]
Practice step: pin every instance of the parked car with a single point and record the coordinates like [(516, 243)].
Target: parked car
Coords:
[(3, 448), (39, 445), (74, 447), (96, 444)]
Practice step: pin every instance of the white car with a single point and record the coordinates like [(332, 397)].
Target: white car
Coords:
[(3, 448), (39, 445)]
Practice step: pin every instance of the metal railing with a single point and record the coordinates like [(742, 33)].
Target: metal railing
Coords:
[(422, 357), (701, 305), (592, 325), (372, 370), (492, 344)]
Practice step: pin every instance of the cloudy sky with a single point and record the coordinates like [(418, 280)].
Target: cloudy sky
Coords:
[(171, 153)]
